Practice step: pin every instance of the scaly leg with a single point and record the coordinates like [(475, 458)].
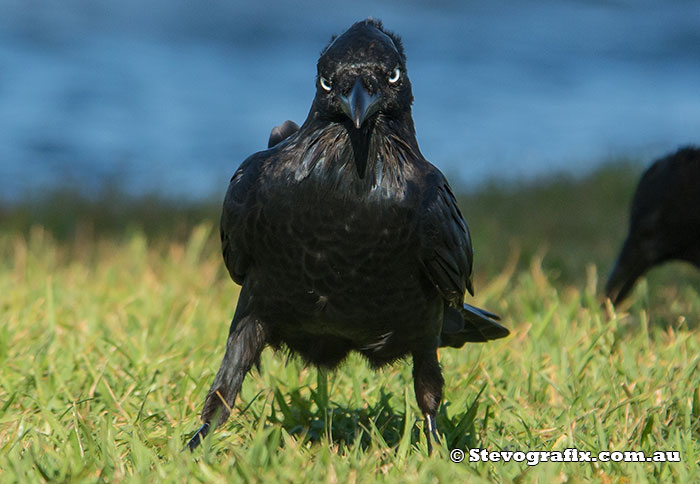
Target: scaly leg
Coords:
[(245, 342), (428, 382)]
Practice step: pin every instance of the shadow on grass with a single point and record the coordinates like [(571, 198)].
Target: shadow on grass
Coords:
[(379, 423)]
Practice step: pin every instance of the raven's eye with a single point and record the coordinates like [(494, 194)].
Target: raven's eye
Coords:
[(395, 76), (325, 84)]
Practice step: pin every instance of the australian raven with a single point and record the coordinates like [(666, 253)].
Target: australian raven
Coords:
[(664, 221), (344, 238)]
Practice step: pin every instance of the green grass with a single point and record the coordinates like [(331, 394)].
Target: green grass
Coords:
[(110, 338)]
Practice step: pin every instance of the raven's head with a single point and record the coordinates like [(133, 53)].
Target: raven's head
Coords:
[(664, 221), (362, 73)]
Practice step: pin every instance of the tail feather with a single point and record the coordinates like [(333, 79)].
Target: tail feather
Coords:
[(470, 324)]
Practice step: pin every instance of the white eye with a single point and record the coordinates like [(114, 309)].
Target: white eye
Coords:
[(395, 76), (324, 83)]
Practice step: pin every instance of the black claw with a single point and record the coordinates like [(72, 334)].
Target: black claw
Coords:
[(431, 432), (198, 436)]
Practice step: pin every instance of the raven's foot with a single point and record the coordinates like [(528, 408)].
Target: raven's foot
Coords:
[(428, 382), (198, 436), (431, 434)]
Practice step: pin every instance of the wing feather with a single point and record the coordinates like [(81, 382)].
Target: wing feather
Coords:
[(237, 216), (446, 248)]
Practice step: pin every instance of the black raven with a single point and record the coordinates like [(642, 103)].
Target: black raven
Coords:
[(344, 238), (664, 221)]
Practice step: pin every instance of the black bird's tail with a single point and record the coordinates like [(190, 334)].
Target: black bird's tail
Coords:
[(469, 324)]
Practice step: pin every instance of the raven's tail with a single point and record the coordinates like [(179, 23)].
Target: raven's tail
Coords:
[(469, 324)]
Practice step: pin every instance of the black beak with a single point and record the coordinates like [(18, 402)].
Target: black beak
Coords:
[(629, 267), (359, 104)]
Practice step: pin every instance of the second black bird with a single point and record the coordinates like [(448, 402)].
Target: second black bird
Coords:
[(664, 221), (344, 238)]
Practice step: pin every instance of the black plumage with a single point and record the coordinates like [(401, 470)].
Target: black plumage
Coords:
[(664, 221), (281, 132), (344, 238)]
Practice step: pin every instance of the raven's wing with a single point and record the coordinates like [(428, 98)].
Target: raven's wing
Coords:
[(239, 206), (446, 248), (447, 256), (238, 212), (282, 132)]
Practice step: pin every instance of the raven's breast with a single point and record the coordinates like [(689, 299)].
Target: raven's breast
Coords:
[(336, 265)]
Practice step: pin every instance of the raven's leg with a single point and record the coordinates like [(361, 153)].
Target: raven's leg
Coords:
[(246, 341), (428, 382)]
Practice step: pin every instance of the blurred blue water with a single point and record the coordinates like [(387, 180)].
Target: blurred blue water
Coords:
[(171, 95)]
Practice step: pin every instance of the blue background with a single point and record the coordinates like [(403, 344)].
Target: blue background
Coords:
[(169, 96)]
